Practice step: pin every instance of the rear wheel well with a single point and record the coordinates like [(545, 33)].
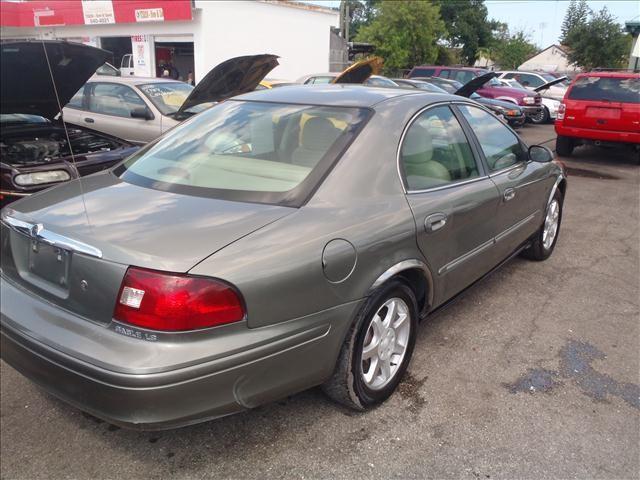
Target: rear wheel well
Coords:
[(562, 186), (414, 277)]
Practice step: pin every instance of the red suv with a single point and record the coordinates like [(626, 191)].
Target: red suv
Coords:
[(602, 108), (531, 102)]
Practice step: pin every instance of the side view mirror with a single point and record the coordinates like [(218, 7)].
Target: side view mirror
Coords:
[(540, 154), (142, 112)]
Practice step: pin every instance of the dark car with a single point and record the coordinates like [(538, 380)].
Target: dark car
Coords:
[(530, 102), (37, 150), (513, 114), (450, 86)]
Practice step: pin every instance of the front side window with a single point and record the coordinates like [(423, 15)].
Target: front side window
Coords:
[(500, 145), (463, 76), (167, 97), (247, 151), (435, 151), (114, 99)]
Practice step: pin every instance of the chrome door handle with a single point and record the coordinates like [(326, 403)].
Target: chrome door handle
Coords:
[(509, 193), (434, 222)]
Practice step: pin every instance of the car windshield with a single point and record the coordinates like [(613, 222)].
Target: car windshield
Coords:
[(167, 97), (21, 118), (247, 151), (607, 89)]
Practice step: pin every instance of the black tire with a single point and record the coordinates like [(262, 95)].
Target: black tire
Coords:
[(564, 146), (346, 385), (542, 118), (537, 251)]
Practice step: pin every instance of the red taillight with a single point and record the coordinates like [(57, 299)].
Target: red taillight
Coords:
[(561, 109), (175, 302)]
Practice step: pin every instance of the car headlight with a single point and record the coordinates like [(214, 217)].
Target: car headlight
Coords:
[(529, 100), (38, 178)]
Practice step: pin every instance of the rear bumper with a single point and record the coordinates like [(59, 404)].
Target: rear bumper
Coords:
[(593, 134), (291, 357)]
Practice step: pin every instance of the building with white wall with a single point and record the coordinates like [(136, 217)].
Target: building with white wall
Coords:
[(551, 59), (196, 34)]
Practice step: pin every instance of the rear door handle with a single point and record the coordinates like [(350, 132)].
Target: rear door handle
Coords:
[(435, 222), (508, 194), (89, 120)]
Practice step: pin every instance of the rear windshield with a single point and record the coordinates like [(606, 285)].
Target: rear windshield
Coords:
[(248, 151), (422, 72), (606, 89)]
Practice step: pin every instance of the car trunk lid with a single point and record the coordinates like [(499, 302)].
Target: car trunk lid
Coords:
[(76, 258)]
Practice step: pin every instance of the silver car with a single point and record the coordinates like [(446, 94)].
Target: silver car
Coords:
[(280, 240), (140, 109)]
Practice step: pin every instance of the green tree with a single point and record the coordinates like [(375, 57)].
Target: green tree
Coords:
[(577, 16), (601, 42), (405, 33), (512, 49), (467, 26), (361, 12)]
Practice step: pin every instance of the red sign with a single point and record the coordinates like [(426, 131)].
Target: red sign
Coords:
[(41, 13)]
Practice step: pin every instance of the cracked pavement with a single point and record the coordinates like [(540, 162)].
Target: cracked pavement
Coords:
[(466, 408)]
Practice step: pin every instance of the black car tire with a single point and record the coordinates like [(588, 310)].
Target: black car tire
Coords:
[(564, 146), (346, 385), (542, 117), (537, 250)]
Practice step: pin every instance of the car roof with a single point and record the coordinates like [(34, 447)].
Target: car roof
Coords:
[(616, 74), (330, 95), (131, 80)]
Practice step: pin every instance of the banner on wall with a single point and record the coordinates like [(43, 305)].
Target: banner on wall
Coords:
[(141, 48), (98, 12)]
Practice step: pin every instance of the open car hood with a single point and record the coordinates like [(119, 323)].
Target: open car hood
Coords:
[(545, 86), (360, 71), (472, 85), (26, 81), (232, 77)]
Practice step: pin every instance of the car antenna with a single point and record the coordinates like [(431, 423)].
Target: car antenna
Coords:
[(66, 132)]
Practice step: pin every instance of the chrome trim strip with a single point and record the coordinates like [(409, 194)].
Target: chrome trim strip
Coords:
[(466, 256), (508, 169), (14, 194), (555, 187), (456, 262), (448, 185), (37, 232), (515, 227), (406, 265)]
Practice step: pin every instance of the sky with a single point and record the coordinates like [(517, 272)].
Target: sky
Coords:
[(541, 19)]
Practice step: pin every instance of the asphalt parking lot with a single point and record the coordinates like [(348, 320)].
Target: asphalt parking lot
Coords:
[(532, 373)]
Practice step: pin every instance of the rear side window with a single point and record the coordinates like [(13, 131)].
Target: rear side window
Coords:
[(444, 73), (435, 151), (606, 89), (247, 151), (423, 72), (114, 99)]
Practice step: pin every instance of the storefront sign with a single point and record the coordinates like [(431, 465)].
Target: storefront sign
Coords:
[(98, 12), (141, 47), (150, 15)]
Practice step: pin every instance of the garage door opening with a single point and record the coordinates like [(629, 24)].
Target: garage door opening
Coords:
[(174, 58), (118, 46)]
